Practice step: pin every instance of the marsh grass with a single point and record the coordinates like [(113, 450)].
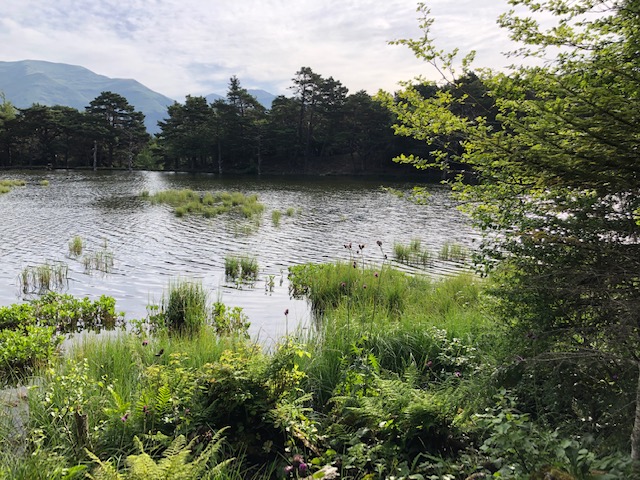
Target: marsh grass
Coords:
[(45, 277), (276, 215), (241, 268), (412, 254), (290, 212), (44, 183), (189, 202), (452, 252), (101, 261), (7, 184), (185, 307), (76, 245)]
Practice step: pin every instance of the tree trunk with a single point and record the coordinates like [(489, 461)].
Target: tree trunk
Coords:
[(635, 432), (95, 155)]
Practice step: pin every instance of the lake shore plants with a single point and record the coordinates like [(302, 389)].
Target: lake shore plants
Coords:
[(208, 204)]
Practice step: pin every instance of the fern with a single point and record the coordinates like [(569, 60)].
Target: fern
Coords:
[(173, 465)]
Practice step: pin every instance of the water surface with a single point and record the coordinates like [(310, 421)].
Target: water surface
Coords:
[(152, 246)]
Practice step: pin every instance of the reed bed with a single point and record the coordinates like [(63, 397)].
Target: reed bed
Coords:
[(76, 245), (208, 204), (44, 278)]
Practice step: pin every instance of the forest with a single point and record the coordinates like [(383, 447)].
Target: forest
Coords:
[(320, 129), (526, 368)]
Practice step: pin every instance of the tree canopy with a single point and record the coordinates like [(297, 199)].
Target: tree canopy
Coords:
[(556, 190)]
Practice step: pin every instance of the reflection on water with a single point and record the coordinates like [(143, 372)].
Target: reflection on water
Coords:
[(152, 246)]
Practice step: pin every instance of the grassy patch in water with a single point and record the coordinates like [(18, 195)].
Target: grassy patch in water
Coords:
[(7, 184), (209, 204), (44, 278)]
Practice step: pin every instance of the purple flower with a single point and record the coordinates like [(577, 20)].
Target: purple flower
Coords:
[(379, 243), (286, 312), (145, 409), (364, 286), (288, 469), (145, 343), (429, 364), (343, 285), (302, 467), (361, 246), (124, 417), (376, 274), (355, 264), (458, 374)]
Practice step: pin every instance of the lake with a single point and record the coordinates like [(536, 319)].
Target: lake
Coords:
[(152, 246)]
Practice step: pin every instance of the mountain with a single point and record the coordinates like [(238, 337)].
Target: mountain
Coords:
[(33, 81)]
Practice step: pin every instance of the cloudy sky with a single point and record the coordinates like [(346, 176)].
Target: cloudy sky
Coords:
[(180, 47)]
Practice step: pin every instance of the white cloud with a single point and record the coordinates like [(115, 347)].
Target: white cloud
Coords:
[(180, 47)]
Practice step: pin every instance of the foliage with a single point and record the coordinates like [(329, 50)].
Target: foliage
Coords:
[(209, 205), (174, 464), (556, 180), (23, 351), (230, 321), (185, 309), (44, 278)]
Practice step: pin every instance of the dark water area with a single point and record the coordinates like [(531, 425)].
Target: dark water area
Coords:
[(153, 247)]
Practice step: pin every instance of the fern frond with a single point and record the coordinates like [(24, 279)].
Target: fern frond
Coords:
[(105, 471)]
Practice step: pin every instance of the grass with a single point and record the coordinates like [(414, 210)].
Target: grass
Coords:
[(7, 184), (452, 252), (76, 245), (44, 183), (185, 308), (241, 268), (45, 277), (412, 254), (276, 215), (101, 261), (189, 202)]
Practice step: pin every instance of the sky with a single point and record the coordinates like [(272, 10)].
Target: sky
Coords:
[(180, 47)]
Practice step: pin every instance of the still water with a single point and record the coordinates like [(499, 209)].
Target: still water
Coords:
[(152, 246)]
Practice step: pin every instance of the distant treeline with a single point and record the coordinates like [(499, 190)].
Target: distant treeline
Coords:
[(319, 129)]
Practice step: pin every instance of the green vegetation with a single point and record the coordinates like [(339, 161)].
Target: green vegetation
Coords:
[(209, 204), (101, 260), (452, 251), (7, 184), (242, 268), (414, 385), (44, 183), (412, 254), (276, 215), (76, 245), (44, 278)]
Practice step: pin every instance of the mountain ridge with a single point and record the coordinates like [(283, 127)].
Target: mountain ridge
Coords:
[(26, 82)]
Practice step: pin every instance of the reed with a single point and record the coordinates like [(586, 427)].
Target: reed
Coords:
[(185, 308), (402, 253), (290, 212), (76, 245), (452, 252), (208, 204), (276, 215), (44, 183), (44, 278), (241, 268), (101, 261)]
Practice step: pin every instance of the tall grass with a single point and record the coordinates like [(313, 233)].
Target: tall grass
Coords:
[(101, 260), (241, 268), (208, 204), (45, 277), (452, 252), (276, 215), (185, 308), (412, 254), (76, 245)]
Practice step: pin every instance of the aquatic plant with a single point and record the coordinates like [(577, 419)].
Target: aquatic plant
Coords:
[(7, 184), (452, 252), (208, 204), (185, 308), (290, 212), (276, 215), (243, 268), (76, 245), (44, 278), (101, 260), (44, 183)]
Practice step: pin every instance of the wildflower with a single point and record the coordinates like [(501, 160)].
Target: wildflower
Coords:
[(458, 374), (379, 243), (302, 468), (125, 417), (355, 264), (429, 364), (145, 409), (145, 343), (376, 274), (364, 286), (286, 312), (361, 246), (288, 469), (343, 285)]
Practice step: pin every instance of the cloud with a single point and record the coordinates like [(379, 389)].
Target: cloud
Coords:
[(180, 47)]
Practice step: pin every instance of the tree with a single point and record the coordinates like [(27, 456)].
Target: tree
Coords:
[(558, 182), (116, 124)]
